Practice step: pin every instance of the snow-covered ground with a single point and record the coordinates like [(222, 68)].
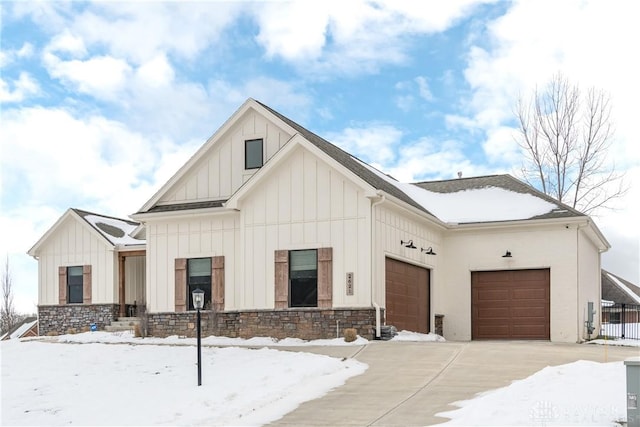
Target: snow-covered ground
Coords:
[(100, 378), (86, 379), (582, 393)]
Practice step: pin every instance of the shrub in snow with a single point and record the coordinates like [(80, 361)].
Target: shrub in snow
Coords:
[(350, 335)]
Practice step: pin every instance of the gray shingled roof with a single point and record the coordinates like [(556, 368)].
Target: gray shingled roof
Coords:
[(187, 206), (109, 232), (500, 181), (379, 182), (611, 291), (348, 161)]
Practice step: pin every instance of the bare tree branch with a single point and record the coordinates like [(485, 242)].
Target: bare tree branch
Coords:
[(565, 135), (8, 315)]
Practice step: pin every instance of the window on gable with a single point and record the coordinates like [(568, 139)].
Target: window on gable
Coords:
[(199, 276), (253, 154), (74, 285), (303, 278)]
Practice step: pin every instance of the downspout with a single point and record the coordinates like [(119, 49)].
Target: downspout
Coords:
[(580, 324), (381, 199)]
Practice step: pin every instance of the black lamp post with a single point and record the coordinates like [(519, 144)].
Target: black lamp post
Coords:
[(198, 303)]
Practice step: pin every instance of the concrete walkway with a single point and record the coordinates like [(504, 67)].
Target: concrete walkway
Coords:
[(407, 383)]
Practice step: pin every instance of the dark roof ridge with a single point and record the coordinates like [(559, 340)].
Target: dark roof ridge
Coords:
[(460, 179)]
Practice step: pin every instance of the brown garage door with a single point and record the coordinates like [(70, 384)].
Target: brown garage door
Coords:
[(407, 296), (510, 304)]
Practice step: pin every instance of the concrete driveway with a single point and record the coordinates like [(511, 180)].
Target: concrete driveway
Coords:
[(407, 383)]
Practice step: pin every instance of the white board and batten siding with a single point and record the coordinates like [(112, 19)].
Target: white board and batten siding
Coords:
[(74, 244), (190, 237), (135, 279), (219, 173), (303, 204), (393, 225)]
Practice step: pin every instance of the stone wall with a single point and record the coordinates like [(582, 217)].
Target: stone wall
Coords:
[(72, 318), (308, 324)]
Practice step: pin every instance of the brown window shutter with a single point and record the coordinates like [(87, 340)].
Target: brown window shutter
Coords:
[(325, 277), (62, 285), (281, 279), (181, 284), (86, 284), (217, 282)]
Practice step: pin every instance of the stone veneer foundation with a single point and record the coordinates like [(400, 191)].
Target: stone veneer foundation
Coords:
[(62, 319), (308, 324)]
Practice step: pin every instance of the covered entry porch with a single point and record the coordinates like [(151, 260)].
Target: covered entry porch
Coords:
[(131, 282)]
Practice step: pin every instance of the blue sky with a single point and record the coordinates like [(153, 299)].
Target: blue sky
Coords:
[(103, 101)]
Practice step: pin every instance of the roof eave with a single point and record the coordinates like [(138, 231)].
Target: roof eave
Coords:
[(146, 216)]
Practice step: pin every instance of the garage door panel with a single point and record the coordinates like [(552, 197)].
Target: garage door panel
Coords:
[(407, 296), (510, 304)]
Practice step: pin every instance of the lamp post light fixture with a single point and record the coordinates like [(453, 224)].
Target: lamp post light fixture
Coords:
[(198, 303)]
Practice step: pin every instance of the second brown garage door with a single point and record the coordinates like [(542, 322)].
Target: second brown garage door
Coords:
[(407, 296), (512, 304)]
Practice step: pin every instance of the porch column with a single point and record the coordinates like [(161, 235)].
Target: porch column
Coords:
[(121, 294)]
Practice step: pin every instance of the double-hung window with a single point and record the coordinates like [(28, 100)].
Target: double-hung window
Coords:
[(74, 285), (199, 276), (303, 278), (253, 153)]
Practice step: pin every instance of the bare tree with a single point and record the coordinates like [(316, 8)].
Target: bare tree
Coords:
[(8, 315), (565, 135)]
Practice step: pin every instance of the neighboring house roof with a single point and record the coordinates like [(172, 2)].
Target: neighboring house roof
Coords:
[(618, 290), (21, 329)]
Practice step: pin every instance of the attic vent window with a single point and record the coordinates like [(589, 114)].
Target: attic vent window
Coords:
[(110, 229), (253, 153)]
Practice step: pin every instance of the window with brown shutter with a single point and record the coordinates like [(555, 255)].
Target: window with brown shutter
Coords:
[(181, 284), (304, 278), (217, 282)]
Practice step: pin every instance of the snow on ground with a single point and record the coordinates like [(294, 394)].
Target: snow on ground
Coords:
[(416, 336), (616, 329), (581, 393), (617, 342), (128, 337), (98, 383)]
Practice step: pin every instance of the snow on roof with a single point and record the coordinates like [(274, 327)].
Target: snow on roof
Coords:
[(479, 205), (474, 205), (117, 231), (22, 329), (624, 287)]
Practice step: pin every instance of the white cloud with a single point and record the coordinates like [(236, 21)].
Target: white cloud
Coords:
[(374, 143), (8, 56), (353, 37), (22, 88), (156, 72), (99, 76), (66, 42)]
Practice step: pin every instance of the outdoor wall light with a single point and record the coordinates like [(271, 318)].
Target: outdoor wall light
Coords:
[(408, 244), (428, 251), (507, 254)]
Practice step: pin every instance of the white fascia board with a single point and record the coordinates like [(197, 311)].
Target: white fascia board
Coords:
[(576, 221), (70, 213), (296, 141), (249, 103), (414, 211)]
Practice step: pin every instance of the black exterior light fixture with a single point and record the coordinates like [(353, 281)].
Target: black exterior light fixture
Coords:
[(428, 251), (408, 244), (198, 303), (507, 254)]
